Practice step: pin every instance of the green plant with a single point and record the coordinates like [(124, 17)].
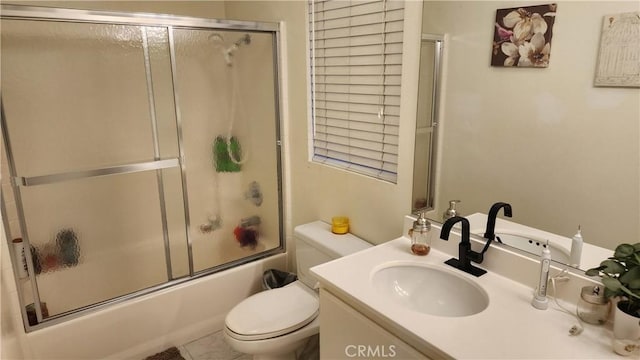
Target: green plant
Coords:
[(620, 276)]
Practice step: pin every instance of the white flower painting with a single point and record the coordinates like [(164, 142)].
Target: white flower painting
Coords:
[(522, 36)]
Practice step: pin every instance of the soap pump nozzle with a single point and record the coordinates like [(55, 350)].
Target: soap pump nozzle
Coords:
[(451, 211)]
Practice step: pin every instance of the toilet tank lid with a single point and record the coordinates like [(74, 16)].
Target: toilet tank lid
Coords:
[(319, 235)]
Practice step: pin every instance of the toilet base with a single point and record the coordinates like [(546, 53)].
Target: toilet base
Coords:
[(286, 352), (309, 350), (289, 356)]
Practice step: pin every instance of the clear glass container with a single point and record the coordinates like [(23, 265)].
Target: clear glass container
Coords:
[(593, 307), (421, 236), (339, 225)]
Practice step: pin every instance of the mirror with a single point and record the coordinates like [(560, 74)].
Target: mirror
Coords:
[(425, 151), (561, 151)]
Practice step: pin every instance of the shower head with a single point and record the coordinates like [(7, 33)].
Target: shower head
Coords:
[(246, 39), (228, 52)]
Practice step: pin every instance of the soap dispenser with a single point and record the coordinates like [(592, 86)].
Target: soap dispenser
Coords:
[(421, 236), (451, 211)]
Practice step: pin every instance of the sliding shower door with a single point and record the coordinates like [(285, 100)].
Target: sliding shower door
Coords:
[(227, 90), (137, 155)]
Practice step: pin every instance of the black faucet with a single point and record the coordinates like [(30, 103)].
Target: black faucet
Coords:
[(465, 254), (489, 233)]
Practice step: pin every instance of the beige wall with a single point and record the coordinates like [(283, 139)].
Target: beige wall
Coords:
[(562, 151)]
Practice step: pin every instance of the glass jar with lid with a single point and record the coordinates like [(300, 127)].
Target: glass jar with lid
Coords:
[(421, 236), (593, 307)]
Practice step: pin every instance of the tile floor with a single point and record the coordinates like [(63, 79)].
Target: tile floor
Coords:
[(211, 347)]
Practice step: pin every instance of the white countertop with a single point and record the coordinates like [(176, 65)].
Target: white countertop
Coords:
[(510, 328)]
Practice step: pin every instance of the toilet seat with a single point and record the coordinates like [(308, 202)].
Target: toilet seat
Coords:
[(273, 312)]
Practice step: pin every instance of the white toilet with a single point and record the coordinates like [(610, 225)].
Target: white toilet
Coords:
[(275, 324)]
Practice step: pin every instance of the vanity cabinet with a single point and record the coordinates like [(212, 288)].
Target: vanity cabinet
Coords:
[(345, 333)]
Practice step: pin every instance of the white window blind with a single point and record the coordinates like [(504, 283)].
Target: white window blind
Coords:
[(356, 66)]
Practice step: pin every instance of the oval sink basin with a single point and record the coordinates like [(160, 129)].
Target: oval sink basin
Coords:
[(430, 290)]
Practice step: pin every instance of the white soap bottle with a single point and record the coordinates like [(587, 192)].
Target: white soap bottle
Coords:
[(576, 249)]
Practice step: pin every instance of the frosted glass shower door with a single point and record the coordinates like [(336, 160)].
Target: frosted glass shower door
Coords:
[(90, 121), (227, 86), (142, 151)]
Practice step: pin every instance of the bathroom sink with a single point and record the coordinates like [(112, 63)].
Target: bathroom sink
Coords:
[(429, 289)]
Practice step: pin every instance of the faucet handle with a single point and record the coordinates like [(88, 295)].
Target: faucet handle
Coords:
[(476, 257)]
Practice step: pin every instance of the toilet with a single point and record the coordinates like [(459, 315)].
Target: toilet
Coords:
[(277, 323)]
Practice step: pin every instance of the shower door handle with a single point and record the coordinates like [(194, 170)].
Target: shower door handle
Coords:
[(73, 175)]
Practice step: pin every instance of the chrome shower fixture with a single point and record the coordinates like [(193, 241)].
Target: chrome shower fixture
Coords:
[(228, 52), (254, 194), (246, 39), (211, 224)]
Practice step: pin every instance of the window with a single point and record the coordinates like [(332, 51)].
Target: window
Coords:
[(356, 66)]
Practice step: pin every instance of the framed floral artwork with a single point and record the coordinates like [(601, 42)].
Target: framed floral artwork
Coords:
[(522, 36)]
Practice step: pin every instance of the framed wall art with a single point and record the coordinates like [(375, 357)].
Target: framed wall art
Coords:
[(619, 55), (522, 36)]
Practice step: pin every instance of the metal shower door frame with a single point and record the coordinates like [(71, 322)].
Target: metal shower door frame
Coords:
[(143, 20)]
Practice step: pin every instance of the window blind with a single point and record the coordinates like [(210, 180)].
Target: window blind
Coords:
[(356, 66)]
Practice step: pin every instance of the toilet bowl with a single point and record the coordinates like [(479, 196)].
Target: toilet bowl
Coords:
[(276, 324)]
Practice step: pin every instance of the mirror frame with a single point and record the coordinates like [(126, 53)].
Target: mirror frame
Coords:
[(430, 179)]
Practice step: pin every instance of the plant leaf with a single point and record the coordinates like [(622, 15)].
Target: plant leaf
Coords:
[(636, 257), (623, 251), (631, 275), (612, 284), (609, 294), (594, 271), (632, 295), (612, 267), (634, 284)]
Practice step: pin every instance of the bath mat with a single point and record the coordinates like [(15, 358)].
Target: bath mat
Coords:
[(171, 353)]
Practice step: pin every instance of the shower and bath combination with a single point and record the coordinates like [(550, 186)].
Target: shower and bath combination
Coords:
[(122, 193)]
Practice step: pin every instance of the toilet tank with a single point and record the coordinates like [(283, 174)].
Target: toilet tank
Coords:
[(316, 244)]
